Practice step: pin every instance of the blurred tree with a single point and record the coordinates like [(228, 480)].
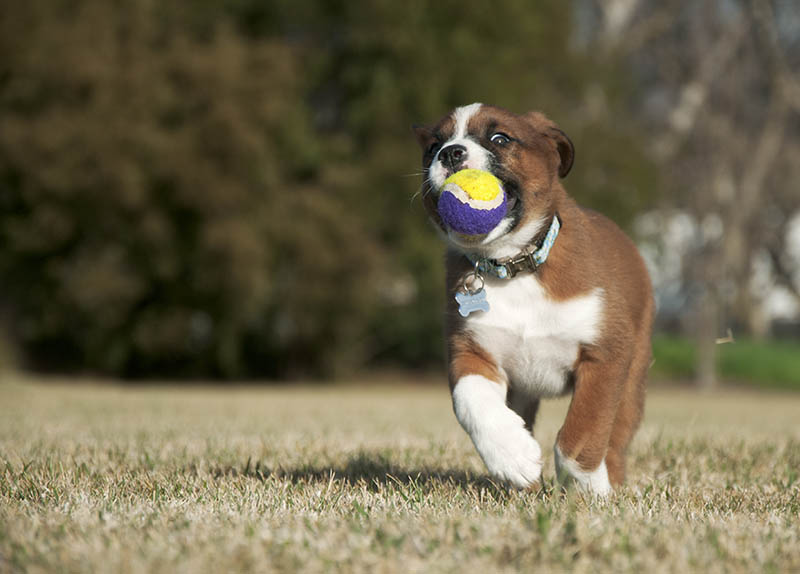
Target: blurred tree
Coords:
[(224, 188), (382, 66), (156, 173), (719, 85)]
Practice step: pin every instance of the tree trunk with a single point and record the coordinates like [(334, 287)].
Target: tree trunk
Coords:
[(706, 360)]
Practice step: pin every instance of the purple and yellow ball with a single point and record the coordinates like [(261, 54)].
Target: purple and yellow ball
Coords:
[(472, 202)]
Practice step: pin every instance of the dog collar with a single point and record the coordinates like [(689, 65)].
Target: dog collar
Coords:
[(526, 260)]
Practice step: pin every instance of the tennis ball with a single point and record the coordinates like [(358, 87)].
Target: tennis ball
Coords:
[(472, 202)]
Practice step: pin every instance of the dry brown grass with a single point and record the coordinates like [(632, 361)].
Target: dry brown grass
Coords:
[(106, 478)]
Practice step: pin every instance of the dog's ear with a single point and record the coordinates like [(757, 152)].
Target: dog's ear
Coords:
[(566, 151), (424, 135)]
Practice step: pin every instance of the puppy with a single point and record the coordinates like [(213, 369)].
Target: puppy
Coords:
[(558, 300)]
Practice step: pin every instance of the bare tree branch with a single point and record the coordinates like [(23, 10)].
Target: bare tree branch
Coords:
[(783, 273), (622, 31), (694, 94), (617, 15), (765, 155), (786, 84)]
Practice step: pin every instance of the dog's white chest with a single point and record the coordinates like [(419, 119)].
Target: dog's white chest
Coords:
[(533, 338)]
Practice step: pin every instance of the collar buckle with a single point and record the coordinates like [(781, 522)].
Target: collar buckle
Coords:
[(529, 259), (525, 262)]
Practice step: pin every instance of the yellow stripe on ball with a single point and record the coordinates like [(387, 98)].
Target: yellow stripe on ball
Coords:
[(478, 184)]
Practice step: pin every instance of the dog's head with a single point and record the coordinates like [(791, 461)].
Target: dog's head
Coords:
[(527, 153)]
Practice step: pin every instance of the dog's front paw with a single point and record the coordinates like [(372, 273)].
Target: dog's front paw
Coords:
[(511, 454), (499, 434)]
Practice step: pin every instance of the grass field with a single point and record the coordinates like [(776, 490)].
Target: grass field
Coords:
[(100, 478), (767, 364)]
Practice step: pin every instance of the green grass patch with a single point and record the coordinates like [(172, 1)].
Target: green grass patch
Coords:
[(762, 364)]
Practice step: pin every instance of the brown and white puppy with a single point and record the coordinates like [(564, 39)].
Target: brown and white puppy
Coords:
[(579, 323)]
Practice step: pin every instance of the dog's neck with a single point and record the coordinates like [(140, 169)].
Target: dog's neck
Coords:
[(527, 259)]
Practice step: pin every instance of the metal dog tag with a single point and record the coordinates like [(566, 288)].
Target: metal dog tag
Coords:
[(471, 302), (471, 297)]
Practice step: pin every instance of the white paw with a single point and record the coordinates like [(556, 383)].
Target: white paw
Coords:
[(510, 453), (594, 482), (498, 433)]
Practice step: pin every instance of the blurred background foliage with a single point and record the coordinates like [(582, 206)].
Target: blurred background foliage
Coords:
[(225, 189)]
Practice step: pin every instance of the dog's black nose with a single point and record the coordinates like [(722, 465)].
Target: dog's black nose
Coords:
[(453, 156)]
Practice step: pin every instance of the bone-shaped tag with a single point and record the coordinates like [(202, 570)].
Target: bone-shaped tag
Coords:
[(471, 302)]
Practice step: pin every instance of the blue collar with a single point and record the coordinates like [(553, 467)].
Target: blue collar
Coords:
[(526, 260)]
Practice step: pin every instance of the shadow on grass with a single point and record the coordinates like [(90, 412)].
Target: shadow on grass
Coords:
[(374, 470)]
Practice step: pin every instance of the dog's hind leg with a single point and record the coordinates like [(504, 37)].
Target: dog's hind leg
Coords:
[(524, 405), (582, 443), (629, 413)]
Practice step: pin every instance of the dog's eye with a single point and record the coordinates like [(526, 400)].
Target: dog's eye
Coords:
[(433, 148), (500, 139)]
